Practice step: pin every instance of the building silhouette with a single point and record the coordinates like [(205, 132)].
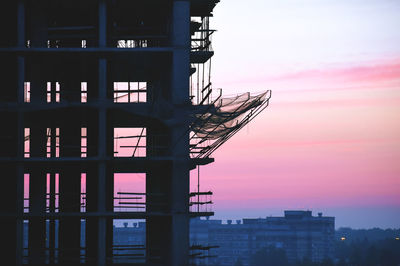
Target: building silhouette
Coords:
[(92, 90), (298, 233)]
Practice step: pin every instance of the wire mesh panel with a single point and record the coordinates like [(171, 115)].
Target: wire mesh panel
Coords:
[(228, 115)]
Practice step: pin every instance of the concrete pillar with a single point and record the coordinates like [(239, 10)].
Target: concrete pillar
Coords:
[(158, 228), (180, 151), (92, 184), (167, 237), (11, 198), (20, 134), (102, 139), (69, 189), (180, 41), (8, 205), (92, 188), (37, 197)]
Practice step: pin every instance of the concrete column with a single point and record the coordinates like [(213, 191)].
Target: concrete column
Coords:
[(180, 40), (102, 129), (20, 133), (8, 148), (92, 176), (11, 198), (92, 190), (70, 146), (37, 197), (37, 176), (158, 229), (69, 189), (167, 237), (38, 38), (8, 205)]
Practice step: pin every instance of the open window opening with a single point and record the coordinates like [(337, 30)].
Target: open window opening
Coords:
[(83, 192), (53, 92), (201, 89), (53, 142), (26, 193), (129, 192), (83, 142), (132, 43), (25, 242), (130, 142), (129, 241), (83, 92), (52, 195), (26, 142), (130, 92), (52, 192), (27, 92), (200, 197), (51, 206)]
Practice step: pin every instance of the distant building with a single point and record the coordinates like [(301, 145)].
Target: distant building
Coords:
[(299, 233)]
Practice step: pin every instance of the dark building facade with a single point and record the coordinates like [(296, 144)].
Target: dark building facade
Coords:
[(92, 90)]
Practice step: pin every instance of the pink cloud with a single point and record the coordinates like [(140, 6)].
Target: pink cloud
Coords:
[(363, 73)]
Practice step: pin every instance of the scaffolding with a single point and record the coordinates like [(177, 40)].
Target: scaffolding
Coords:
[(220, 122)]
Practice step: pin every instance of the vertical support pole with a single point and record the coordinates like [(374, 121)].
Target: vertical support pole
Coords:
[(198, 188), (20, 133), (92, 187), (53, 92), (69, 194), (102, 141), (180, 41), (37, 180), (70, 178), (37, 198), (102, 24)]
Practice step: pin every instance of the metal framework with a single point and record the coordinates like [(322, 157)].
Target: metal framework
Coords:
[(91, 90)]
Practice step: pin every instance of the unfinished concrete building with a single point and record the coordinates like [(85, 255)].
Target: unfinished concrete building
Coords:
[(95, 89)]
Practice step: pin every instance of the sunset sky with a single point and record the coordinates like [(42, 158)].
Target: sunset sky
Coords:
[(330, 139)]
